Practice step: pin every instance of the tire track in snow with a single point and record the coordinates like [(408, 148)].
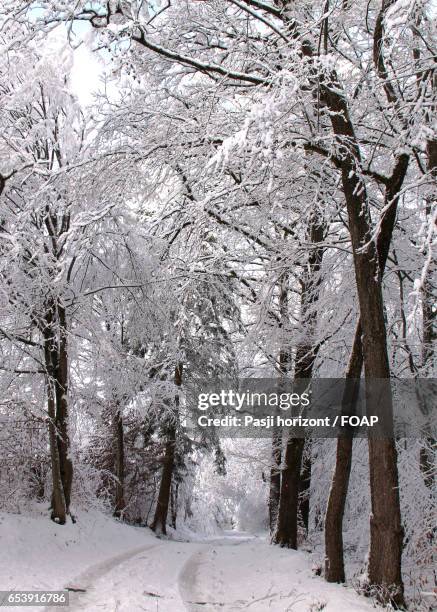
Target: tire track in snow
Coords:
[(189, 582), (192, 576), (86, 579)]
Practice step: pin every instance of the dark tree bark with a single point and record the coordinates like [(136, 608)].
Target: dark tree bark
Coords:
[(174, 493), (287, 522), (386, 533), (54, 333), (119, 502), (334, 562), (275, 479), (58, 506), (384, 569), (284, 366), (56, 368), (61, 391), (305, 485), (159, 524)]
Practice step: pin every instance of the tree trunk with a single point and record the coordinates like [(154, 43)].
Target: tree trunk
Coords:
[(275, 478), (119, 503), (284, 366), (334, 561), (59, 502), (174, 504), (61, 390), (305, 485), (159, 524), (386, 533), (58, 506), (287, 522)]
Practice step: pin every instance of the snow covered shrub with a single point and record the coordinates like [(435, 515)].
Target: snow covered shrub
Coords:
[(418, 503), (142, 452), (204, 506), (23, 460), (357, 510)]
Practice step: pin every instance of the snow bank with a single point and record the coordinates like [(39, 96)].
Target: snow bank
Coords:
[(36, 553)]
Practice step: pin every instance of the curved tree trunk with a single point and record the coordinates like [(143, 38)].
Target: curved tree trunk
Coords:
[(386, 533), (334, 562)]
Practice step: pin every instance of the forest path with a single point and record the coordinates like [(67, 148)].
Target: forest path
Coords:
[(241, 572), (229, 573), (201, 580)]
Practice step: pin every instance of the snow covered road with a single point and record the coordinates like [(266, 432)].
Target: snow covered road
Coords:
[(121, 568), (234, 572)]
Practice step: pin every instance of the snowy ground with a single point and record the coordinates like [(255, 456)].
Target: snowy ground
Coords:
[(127, 569)]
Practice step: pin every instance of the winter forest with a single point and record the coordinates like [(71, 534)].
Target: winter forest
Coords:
[(207, 189)]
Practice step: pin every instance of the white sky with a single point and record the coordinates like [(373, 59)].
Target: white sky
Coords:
[(88, 67), (86, 75)]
